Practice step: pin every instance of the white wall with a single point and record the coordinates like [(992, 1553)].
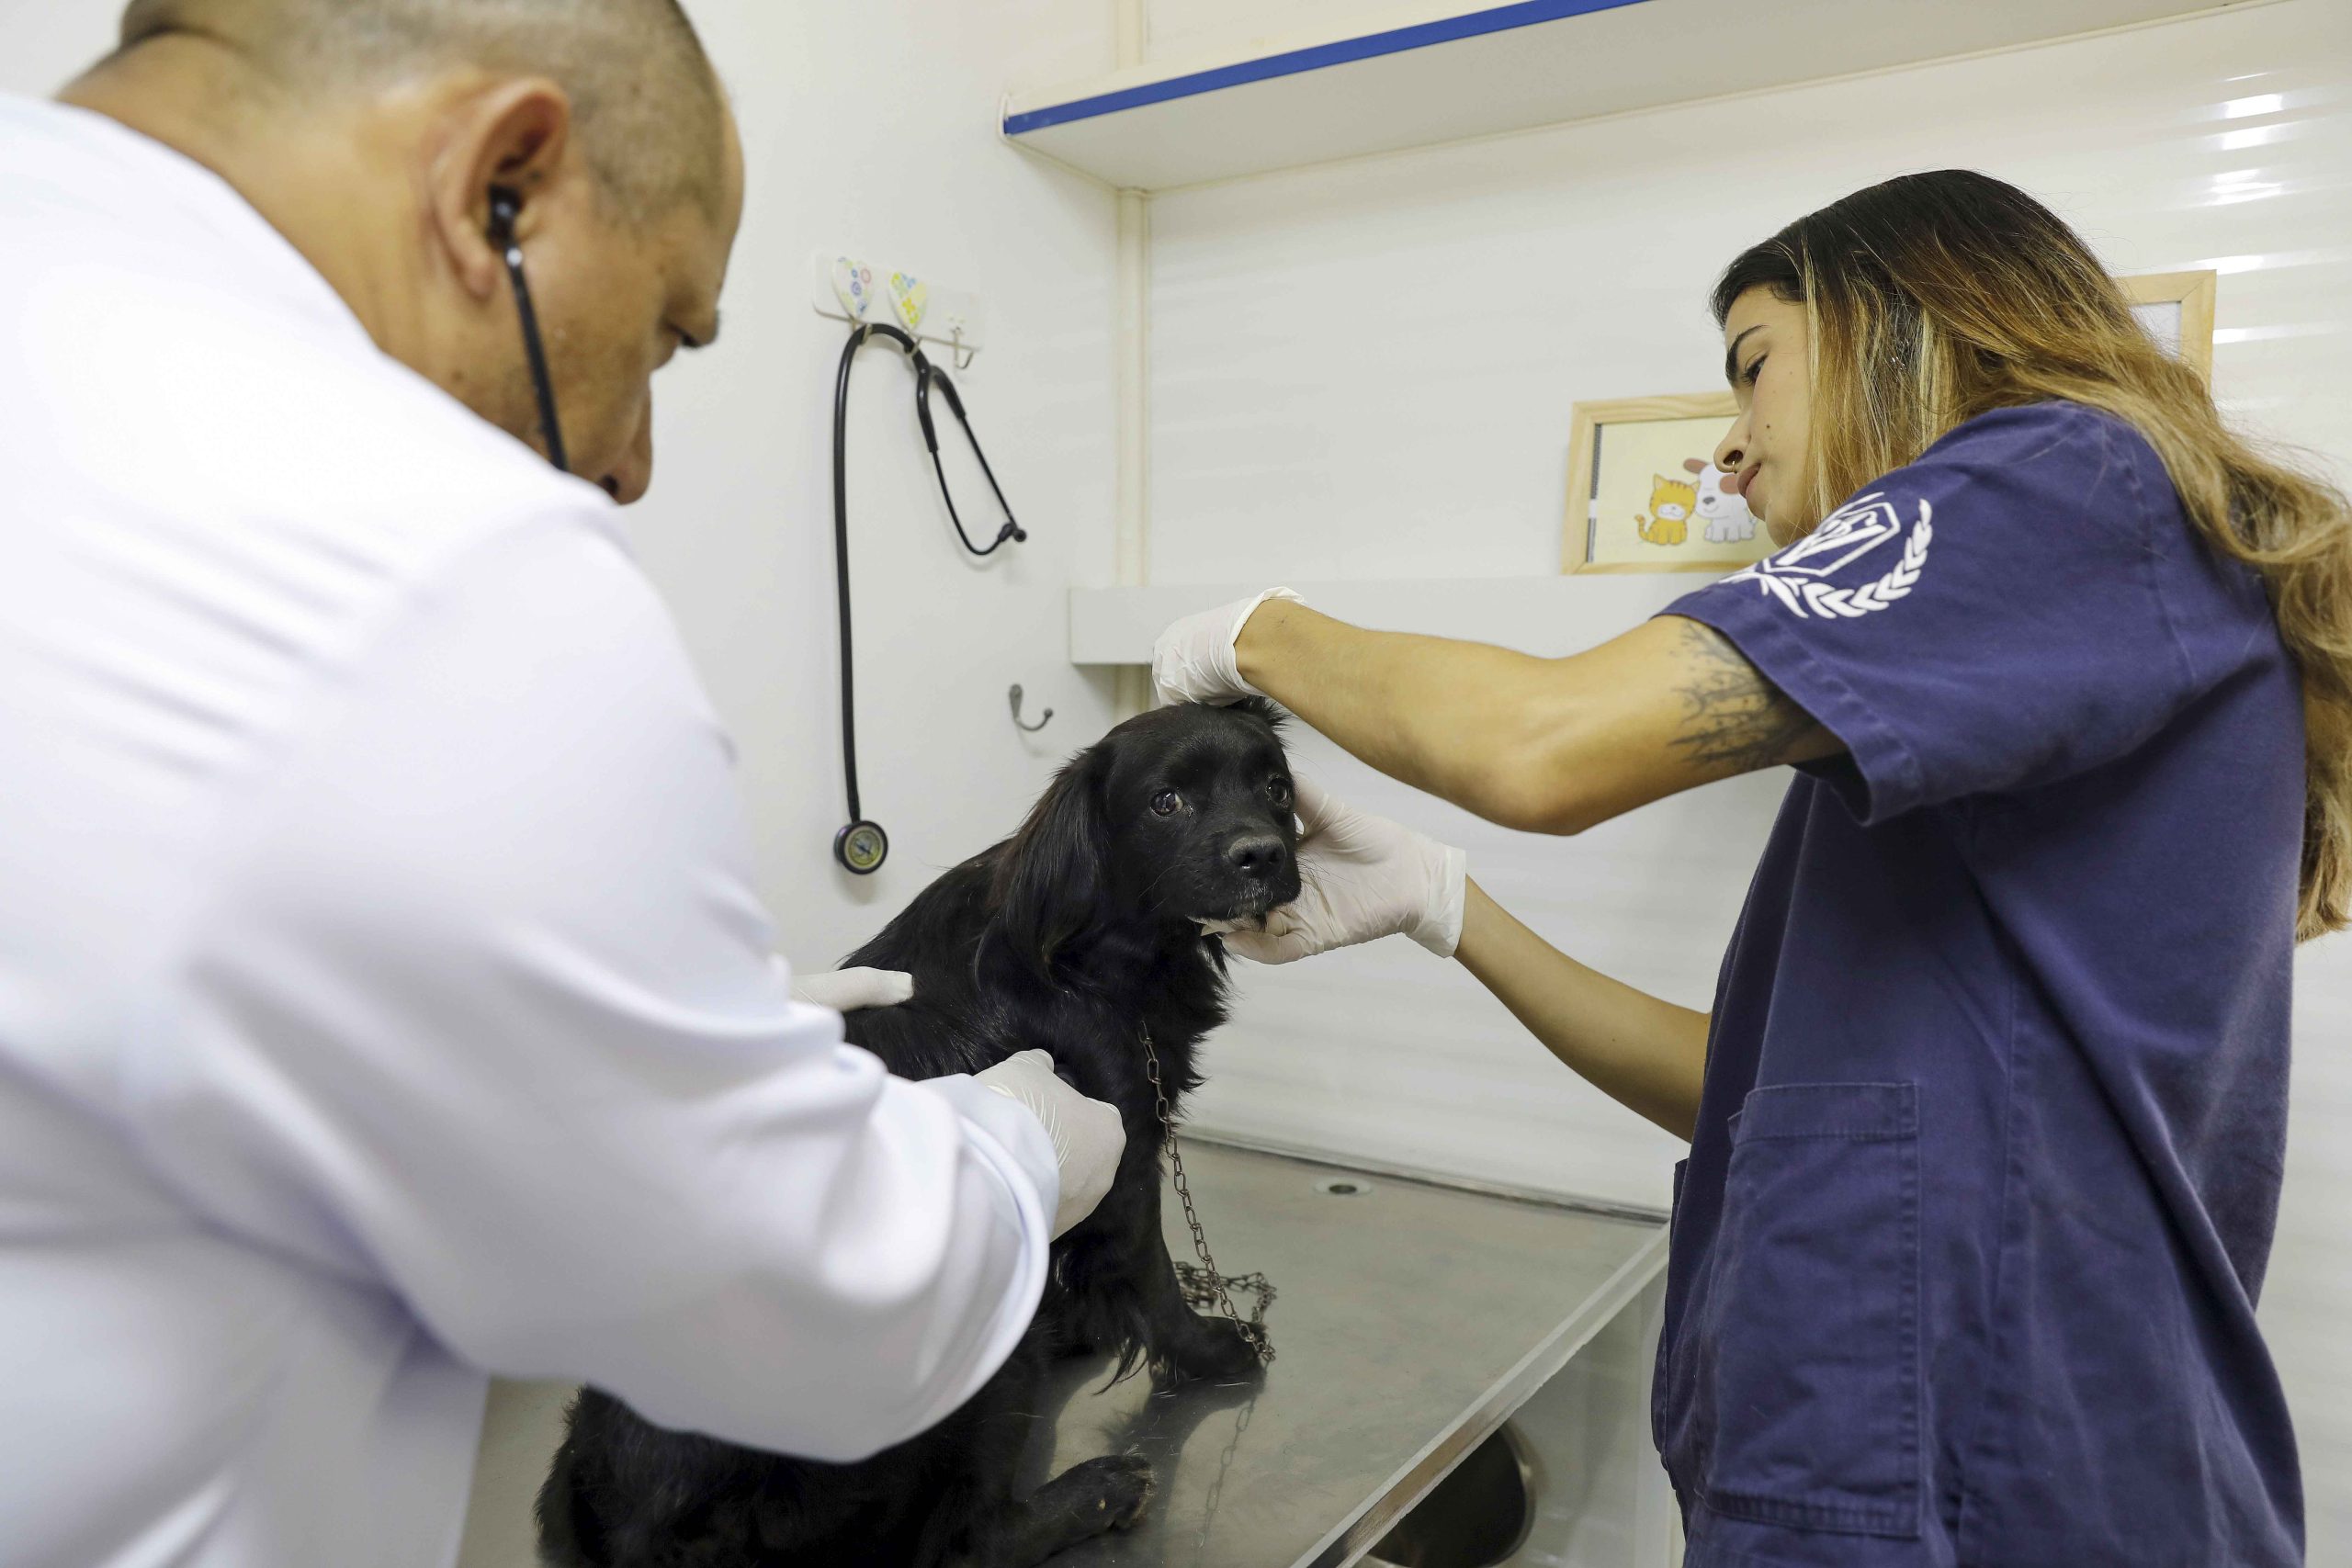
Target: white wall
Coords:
[(1179, 29), (1366, 371)]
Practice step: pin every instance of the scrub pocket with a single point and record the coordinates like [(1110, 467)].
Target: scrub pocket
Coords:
[(1816, 1314), (1662, 1370)]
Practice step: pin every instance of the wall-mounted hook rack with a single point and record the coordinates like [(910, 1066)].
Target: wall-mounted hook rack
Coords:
[(1027, 729), (850, 288)]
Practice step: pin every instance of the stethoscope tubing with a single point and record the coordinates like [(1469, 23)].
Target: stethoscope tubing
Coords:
[(926, 376)]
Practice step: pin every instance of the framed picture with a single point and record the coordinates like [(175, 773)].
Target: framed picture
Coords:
[(1644, 494), (2177, 309)]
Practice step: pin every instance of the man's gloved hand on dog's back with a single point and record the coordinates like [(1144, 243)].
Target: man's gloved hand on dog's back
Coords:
[(1087, 1134), (853, 990), (1362, 877)]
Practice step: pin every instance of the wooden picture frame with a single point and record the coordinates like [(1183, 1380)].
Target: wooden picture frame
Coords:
[(1610, 525), (2177, 308)]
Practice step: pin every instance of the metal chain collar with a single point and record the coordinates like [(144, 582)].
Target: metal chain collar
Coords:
[(1203, 1285)]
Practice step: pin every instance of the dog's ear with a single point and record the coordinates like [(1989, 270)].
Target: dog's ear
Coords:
[(1054, 874), (1265, 708)]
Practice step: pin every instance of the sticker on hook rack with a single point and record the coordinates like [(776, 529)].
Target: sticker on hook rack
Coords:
[(910, 298), (854, 285)]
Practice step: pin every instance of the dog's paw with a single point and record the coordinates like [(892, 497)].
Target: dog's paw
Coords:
[(1216, 1351), (1126, 1484)]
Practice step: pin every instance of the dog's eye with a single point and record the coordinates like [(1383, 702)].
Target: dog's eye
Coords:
[(1279, 791), (1166, 802)]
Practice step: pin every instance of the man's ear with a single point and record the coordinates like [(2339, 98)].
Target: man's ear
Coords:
[(1051, 883), (516, 135)]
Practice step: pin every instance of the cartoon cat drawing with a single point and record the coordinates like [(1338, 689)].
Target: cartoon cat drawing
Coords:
[(1670, 520), (1726, 515)]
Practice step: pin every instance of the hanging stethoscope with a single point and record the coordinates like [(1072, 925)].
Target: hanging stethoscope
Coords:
[(863, 846)]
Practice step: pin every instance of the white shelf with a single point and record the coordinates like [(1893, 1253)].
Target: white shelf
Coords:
[(1441, 71), (1547, 615)]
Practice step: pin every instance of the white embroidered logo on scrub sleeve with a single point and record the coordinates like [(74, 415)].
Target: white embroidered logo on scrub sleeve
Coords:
[(1796, 576)]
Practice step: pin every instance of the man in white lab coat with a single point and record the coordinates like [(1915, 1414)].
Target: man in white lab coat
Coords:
[(383, 998)]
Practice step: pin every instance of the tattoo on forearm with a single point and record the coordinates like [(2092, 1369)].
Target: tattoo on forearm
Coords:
[(1736, 720)]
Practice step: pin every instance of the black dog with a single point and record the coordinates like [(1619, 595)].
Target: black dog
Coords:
[(1077, 934)]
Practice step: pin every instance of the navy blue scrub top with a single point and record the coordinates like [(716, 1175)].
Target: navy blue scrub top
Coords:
[(1966, 1252)]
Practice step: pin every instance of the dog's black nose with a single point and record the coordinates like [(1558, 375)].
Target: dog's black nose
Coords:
[(1261, 854)]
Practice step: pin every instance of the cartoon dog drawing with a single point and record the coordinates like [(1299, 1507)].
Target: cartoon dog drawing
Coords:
[(1726, 515)]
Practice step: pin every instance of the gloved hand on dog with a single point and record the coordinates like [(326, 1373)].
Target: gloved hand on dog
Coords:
[(1194, 660), (1362, 877), (1087, 1134), (851, 990)]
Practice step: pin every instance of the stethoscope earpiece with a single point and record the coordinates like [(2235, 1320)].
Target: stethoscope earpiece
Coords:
[(506, 208)]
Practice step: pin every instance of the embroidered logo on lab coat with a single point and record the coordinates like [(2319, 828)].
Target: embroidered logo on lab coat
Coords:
[(1798, 576)]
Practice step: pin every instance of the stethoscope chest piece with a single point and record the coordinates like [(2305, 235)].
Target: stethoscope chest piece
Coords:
[(861, 847)]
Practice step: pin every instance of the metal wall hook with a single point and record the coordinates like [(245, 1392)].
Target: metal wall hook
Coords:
[(963, 355), (1028, 728)]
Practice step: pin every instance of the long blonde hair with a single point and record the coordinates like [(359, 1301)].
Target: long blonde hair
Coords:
[(1935, 297)]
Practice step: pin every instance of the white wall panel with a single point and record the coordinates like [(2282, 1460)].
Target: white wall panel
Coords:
[(1178, 28), (1366, 370)]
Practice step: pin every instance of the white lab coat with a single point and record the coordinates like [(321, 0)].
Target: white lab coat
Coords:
[(383, 998)]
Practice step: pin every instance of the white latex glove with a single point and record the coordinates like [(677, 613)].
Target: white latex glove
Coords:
[(1087, 1136), (1361, 877), (1192, 662), (849, 991)]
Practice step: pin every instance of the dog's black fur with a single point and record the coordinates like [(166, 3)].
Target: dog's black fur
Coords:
[(1076, 934)]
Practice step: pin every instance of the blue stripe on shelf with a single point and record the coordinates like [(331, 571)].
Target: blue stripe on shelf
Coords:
[(1474, 24)]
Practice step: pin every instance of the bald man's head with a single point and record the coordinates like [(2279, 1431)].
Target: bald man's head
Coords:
[(379, 137), (648, 112)]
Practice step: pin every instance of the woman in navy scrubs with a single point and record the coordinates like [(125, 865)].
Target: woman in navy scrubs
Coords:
[(1989, 1119)]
